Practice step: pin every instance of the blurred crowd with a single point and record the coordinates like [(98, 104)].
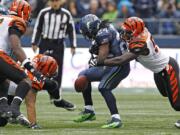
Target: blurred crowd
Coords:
[(113, 9)]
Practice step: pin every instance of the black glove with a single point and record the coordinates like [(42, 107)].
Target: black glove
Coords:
[(94, 49), (38, 75), (28, 65)]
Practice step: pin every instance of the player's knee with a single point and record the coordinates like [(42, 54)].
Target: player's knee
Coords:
[(163, 92), (102, 90), (176, 106), (107, 87)]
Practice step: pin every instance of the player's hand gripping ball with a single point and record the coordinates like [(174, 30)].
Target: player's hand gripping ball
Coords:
[(81, 83)]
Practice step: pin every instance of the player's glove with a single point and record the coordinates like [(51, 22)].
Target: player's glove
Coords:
[(28, 65), (93, 61), (94, 49)]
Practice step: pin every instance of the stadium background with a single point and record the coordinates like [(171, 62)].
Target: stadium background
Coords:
[(143, 110)]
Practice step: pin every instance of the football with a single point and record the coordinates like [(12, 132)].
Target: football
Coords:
[(81, 83)]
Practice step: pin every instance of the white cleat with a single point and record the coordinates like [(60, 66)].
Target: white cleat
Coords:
[(177, 124)]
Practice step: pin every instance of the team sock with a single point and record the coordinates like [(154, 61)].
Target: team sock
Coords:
[(117, 116), (89, 107)]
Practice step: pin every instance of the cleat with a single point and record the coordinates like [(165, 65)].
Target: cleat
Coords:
[(177, 124), (86, 115), (64, 104), (35, 126), (17, 117), (113, 123), (3, 122), (21, 119), (4, 109)]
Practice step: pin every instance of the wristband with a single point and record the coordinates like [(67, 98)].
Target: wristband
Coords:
[(27, 64), (25, 61)]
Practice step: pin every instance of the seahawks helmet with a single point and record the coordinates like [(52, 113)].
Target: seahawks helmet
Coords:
[(89, 26)]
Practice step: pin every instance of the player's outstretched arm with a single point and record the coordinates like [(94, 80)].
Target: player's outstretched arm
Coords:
[(120, 60), (16, 46), (30, 101)]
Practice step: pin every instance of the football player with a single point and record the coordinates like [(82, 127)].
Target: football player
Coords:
[(106, 42), (143, 48), (12, 27), (48, 67)]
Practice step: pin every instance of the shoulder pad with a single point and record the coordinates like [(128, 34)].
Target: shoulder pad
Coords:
[(103, 36)]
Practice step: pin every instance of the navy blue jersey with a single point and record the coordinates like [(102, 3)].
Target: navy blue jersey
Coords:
[(111, 36)]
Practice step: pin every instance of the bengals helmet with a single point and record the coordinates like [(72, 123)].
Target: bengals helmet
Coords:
[(21, 8), (133, 26), (47, 65)]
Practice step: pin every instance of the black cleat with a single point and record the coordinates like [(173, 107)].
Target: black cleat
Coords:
[(3, 122), (65, 104), (18, 118), (4, 109)]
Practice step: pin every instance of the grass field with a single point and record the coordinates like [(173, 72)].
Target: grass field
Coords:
[(144, 112)]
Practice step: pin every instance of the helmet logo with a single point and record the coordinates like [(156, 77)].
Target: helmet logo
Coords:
[(88, 25)]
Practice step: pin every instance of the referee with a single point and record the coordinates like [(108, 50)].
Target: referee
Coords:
[(52, 25)]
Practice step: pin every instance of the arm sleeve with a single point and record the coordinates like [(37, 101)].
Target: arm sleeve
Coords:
[(71, 31), (138, 48), (14, 30), (37, 29)]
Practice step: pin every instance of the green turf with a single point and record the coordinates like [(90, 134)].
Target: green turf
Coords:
[(142, 112)]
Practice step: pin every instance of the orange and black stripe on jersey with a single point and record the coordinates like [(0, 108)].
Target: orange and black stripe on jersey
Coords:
[(9, 60), (18, 24), (173, 83)]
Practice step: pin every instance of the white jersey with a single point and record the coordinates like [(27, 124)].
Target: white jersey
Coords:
[(150, 55), (5, 23)]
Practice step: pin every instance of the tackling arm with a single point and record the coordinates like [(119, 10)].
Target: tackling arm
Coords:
[(120, 60), (30, 101), (16, 46)]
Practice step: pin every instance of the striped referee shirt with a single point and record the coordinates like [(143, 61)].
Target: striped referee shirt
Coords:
[(54, 24)]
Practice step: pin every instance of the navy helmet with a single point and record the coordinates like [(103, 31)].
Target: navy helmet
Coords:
[(89, 25)]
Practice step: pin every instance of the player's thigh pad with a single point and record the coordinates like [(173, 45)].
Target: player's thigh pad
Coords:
[(93, 73), (111, 79)]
